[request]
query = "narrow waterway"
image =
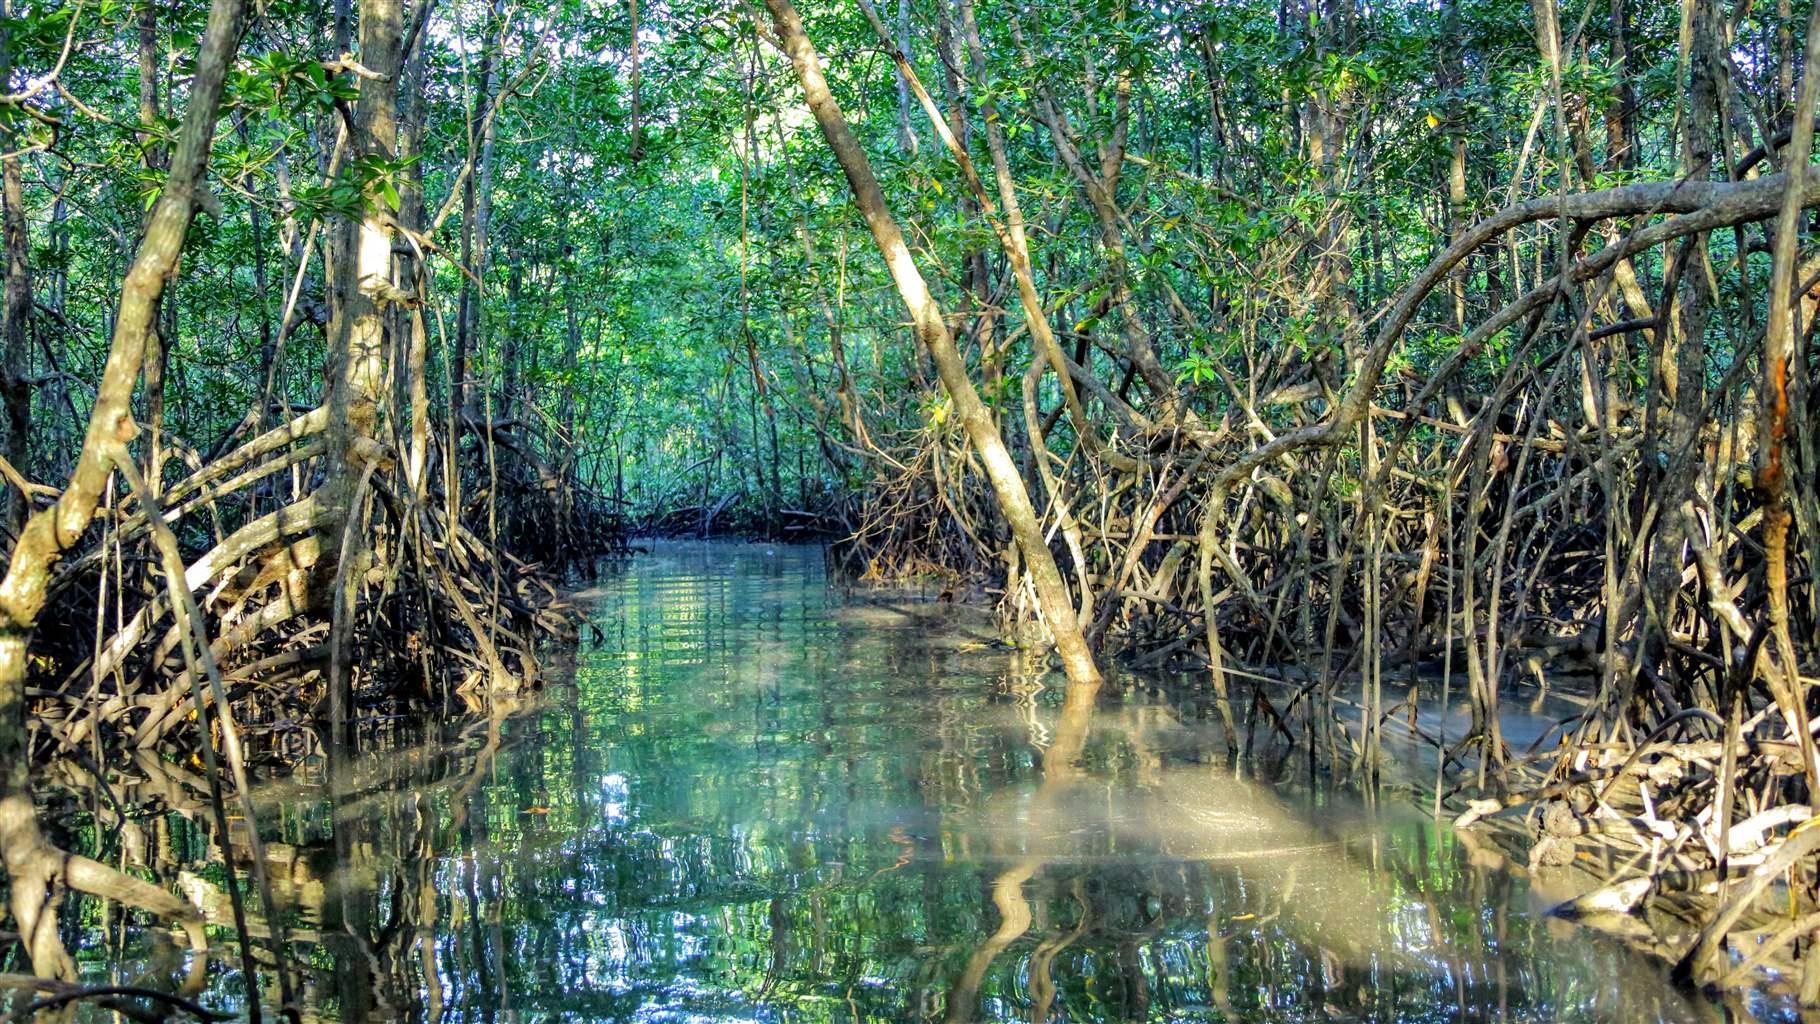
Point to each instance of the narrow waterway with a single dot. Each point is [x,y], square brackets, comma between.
[764,798]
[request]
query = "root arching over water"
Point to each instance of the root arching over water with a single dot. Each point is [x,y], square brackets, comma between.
[1564,528]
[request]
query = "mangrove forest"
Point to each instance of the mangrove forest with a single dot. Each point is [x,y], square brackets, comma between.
[909,510]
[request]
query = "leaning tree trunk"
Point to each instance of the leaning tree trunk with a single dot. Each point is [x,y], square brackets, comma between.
[976,419]
[36,869]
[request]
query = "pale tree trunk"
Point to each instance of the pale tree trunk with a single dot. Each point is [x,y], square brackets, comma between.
[37,869]
[483,200]
[1682,359]
[413,389]
[1010,232]
[356,369]
[355,377]
[1016,245]
[976,280]
[1337,306]
[1101,189]
[976,419]
[1453,80]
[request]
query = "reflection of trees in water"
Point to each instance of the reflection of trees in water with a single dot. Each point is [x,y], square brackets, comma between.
[442,899]
[880,822]
[357,870]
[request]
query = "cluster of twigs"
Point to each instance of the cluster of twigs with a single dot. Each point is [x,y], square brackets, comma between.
[924,514]
[536,505]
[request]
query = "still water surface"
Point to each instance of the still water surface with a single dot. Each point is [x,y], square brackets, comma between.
[765,799]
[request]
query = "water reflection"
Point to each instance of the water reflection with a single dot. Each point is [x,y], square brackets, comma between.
[761,800]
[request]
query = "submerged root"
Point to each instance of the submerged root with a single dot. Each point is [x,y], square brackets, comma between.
[1723,891]
[38,872]
[1459,525]
[436,616]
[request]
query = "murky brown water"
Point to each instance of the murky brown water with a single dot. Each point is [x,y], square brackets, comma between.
[761,799]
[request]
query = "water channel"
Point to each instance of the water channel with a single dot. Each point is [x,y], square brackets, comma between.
[759,796]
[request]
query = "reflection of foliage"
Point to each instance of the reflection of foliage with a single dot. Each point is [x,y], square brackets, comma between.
[755,803]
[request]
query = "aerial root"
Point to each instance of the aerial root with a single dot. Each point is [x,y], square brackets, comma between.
[440,608]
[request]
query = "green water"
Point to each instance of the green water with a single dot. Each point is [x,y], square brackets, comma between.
[764,799]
